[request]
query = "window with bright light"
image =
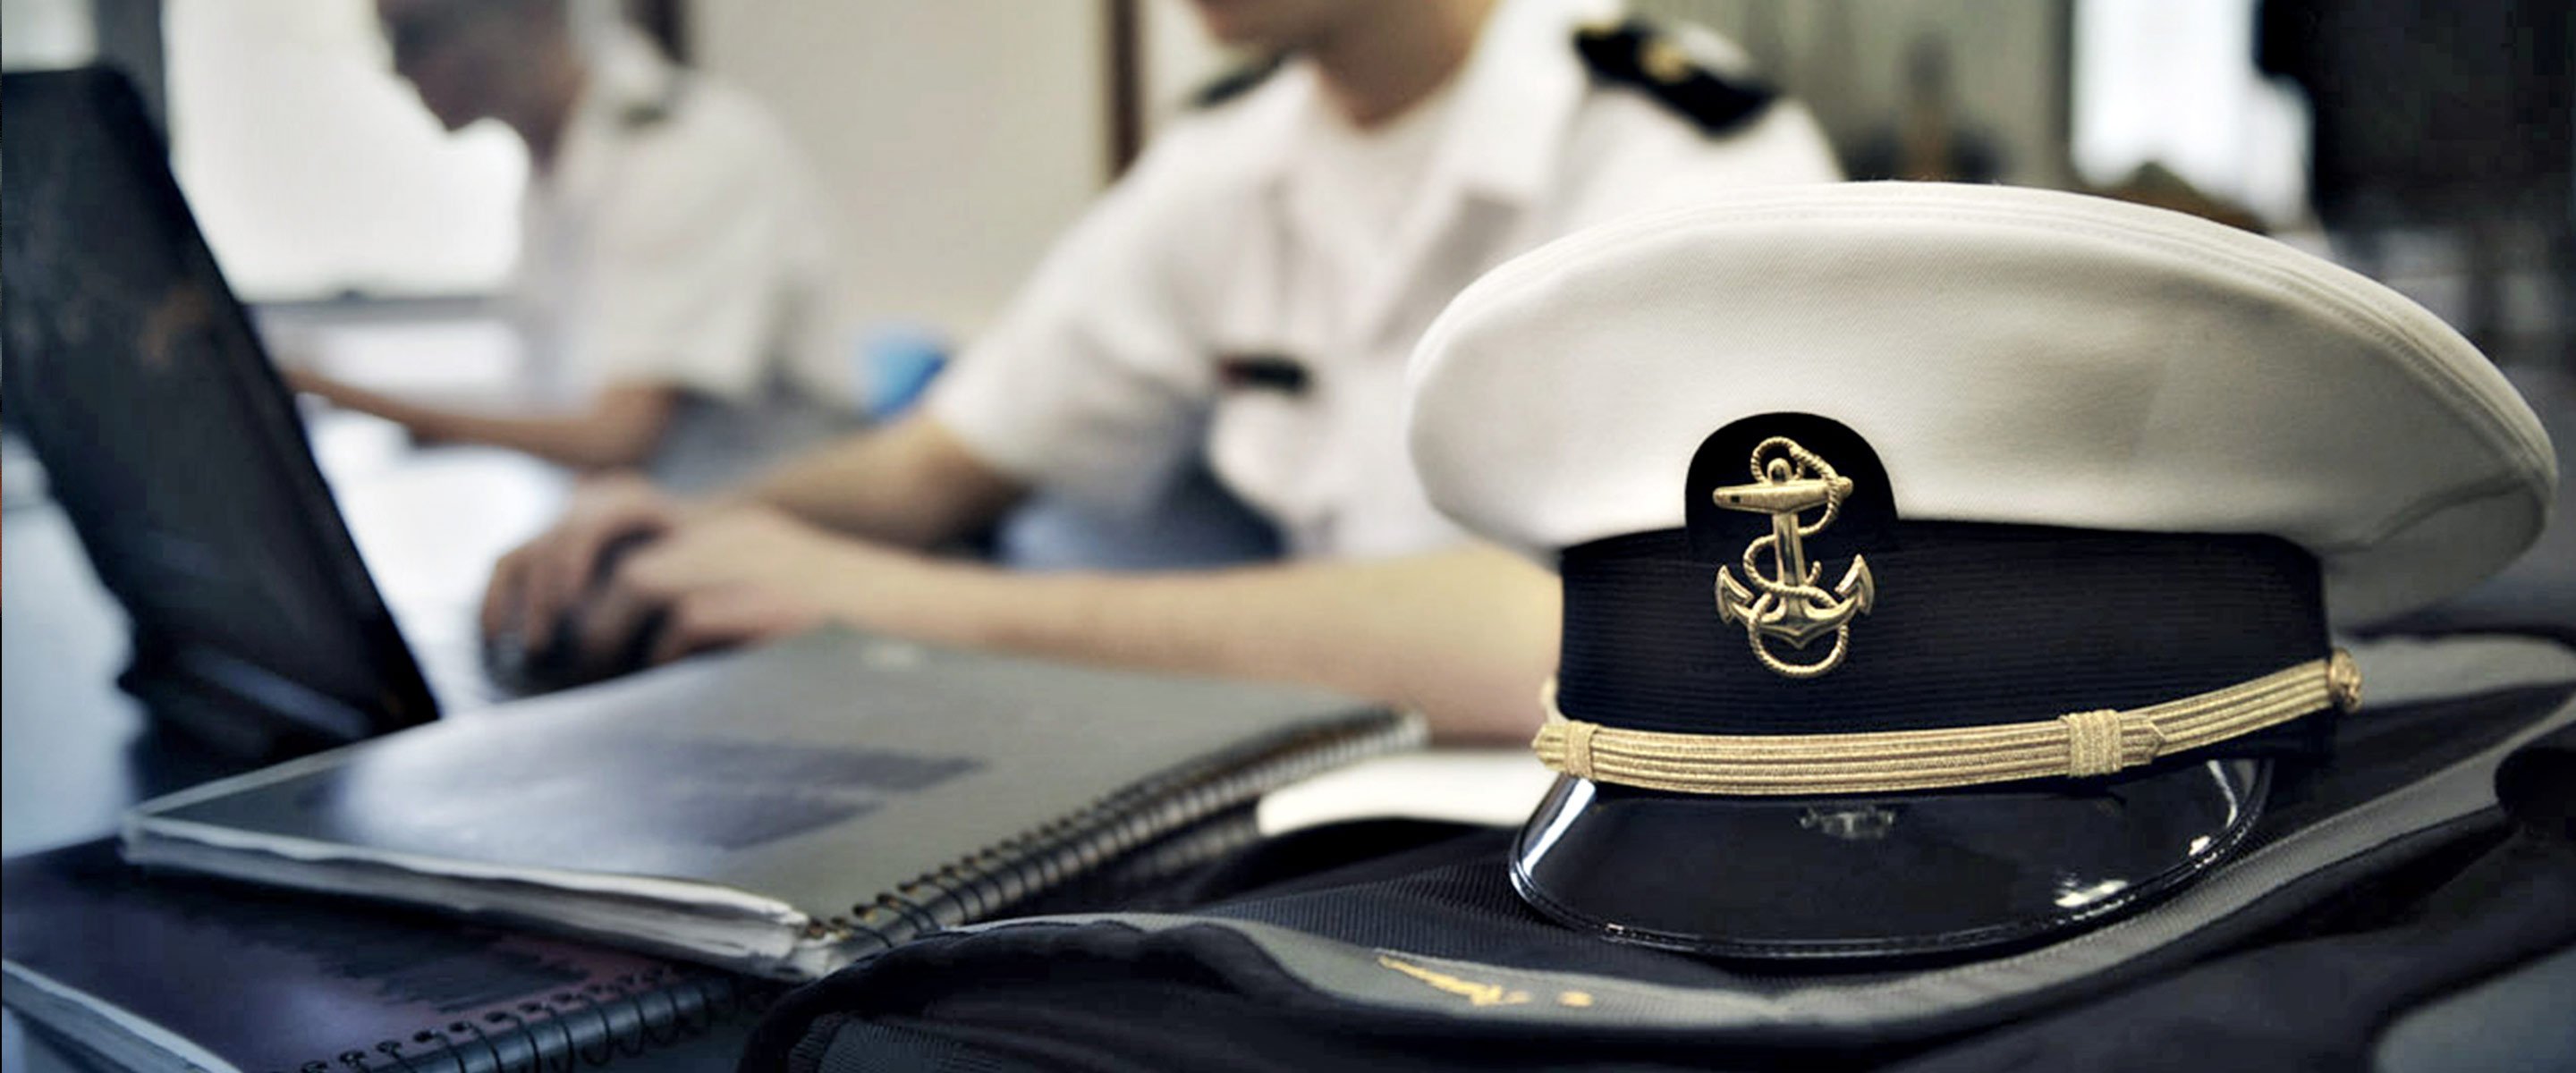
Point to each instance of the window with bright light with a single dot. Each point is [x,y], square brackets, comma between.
[2173,82]
[314,171]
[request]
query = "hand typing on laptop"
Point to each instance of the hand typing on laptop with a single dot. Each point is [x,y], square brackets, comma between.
[538,584]
[632,577]
[622,583]
[735,575]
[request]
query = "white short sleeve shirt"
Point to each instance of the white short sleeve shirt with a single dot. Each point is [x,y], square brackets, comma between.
[1246,292]
[677,240]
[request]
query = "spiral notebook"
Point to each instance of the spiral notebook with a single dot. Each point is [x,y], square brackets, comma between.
[779,811]
[180,973]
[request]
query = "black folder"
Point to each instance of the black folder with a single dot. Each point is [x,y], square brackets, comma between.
[158,972]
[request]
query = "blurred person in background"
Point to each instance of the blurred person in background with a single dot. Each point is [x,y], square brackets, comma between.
[1250,291]
[673,277]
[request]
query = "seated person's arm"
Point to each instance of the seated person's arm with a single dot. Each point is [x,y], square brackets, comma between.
[617,430]
[1464,636]
[909,483]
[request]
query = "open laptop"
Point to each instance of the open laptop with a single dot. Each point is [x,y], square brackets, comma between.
[173,447]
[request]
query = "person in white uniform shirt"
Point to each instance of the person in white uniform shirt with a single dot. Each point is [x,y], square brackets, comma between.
[1250,290]
[672,276]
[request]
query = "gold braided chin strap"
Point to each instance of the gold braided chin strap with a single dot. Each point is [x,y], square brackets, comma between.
[2077,745]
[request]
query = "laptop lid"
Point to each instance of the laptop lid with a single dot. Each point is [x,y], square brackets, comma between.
[170,442]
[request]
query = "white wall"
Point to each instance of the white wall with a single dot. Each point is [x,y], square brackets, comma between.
[2173,82]
[957,138]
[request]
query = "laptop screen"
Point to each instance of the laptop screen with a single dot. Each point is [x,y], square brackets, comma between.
[166,436]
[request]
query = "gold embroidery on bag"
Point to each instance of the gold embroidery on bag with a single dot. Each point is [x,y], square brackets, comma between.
[1790,605]
[1475,993]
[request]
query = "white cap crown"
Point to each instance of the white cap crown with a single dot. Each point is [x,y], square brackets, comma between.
[2013,355]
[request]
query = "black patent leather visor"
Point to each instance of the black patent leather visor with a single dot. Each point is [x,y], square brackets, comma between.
[1876,877]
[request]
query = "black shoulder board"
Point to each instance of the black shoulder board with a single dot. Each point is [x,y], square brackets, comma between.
[1237,82]
[1636,53]
[639,115]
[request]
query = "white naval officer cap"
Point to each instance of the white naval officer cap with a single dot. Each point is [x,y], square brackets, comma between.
[1946,566]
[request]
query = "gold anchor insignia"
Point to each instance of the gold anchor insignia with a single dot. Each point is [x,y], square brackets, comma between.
[1789,479]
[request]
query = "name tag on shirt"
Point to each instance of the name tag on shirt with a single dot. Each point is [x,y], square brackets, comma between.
[1263,372]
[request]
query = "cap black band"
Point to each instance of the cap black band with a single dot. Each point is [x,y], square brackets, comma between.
[1973,624]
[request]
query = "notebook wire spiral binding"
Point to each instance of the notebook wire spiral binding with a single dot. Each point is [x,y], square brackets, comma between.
[585,1027]
[1180,820]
